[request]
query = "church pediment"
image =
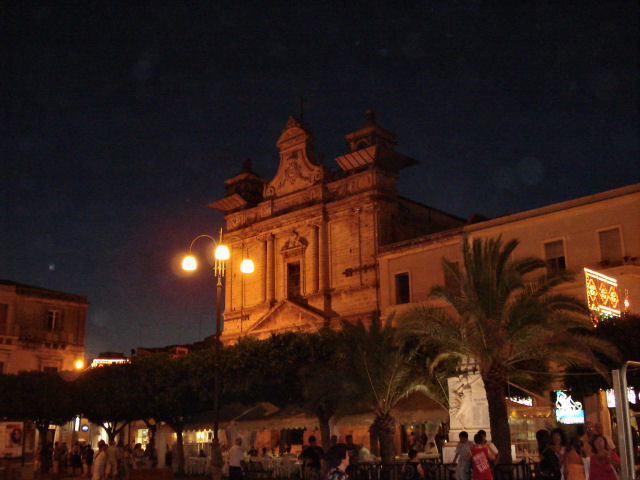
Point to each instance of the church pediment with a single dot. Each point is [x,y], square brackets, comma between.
[287,316]
[297,169]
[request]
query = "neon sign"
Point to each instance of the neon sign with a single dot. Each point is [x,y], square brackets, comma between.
[602,293]
[567,409]
[611,397]
[102,362]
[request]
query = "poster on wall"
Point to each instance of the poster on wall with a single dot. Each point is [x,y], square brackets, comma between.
[468,407]
[11,439]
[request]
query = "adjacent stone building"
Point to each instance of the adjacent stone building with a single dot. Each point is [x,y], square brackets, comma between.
[600,232]
[40,329]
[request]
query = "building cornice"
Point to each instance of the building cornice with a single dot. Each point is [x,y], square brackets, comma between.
[439,237]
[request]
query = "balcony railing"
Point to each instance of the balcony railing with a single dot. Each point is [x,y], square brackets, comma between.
[9,331]
[33,335]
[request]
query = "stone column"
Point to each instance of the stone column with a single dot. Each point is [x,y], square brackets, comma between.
[313,260]
[271,269]
[323,256]
[263,284]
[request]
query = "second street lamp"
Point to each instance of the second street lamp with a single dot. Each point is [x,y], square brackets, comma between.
[221,255]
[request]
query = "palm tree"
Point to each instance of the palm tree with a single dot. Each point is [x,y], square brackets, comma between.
[503,322]
[383,373]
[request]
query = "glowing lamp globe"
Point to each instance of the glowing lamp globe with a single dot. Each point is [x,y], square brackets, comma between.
[246,266]
[222,252]
[79,364]
[189,263]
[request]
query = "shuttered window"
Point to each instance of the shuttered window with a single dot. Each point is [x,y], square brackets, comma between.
[554,256]
[610,246]
[403,291]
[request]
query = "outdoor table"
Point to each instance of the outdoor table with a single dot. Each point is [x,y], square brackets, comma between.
[429,456]
[196,465]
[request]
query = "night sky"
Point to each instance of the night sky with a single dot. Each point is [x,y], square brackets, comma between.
[121,121]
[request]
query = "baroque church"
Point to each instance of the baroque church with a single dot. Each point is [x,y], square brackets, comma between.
[314,233]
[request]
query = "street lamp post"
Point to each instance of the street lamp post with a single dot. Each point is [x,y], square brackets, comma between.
[221,255]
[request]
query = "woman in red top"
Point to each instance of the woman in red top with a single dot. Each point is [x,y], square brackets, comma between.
[603,461]
[479,456]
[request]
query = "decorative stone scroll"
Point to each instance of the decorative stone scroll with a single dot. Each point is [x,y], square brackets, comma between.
[297,169]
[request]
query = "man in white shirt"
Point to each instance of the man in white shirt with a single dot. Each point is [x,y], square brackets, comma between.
[236,456]
[113,457]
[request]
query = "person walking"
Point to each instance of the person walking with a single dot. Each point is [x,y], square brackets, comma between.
[127,461]
[88,459]
[479,455]
[312,457]
[553,456]
[75,458]
[573,462]
[412,470]
[604,462]
[236,457]
[352,457]
[113,455]
[493,450]
[337,461]
[99,463]
[461,456]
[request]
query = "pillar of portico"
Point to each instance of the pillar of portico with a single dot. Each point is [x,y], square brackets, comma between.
[323,256]
[271,280]
[313,260]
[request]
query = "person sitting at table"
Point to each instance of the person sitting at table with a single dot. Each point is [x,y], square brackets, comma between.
[287,453]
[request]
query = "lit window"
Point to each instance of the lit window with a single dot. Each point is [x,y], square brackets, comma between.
[403,292]
[610,247]
[554,256]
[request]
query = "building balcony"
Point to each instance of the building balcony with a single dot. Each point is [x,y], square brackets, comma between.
[61,338]
[9,331]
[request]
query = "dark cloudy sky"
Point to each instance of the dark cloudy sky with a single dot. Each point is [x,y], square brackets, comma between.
[121,120]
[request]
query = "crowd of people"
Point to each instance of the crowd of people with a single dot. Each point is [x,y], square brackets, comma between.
[107,462]
[314,463]
[588,455]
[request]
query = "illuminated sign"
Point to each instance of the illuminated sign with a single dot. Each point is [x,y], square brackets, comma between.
[567,409]
[85,428]
[102,362]
[602,293]
[611,397]
[527,401]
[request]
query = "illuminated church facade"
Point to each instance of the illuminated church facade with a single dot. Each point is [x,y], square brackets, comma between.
[314,233]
